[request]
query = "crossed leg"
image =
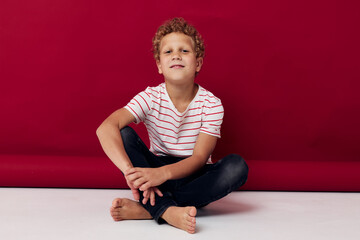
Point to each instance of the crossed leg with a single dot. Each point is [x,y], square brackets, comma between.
[226,175]
[180,217]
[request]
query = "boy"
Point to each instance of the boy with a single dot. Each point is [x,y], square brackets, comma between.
[172,178]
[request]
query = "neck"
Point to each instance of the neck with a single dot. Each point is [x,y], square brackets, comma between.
[181,93]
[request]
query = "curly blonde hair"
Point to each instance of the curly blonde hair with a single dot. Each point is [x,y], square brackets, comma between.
[177,25]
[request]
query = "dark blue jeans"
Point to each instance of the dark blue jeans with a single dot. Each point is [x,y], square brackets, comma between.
[209,184]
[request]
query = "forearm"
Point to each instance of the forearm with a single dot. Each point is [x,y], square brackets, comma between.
[184,168]
[112,144]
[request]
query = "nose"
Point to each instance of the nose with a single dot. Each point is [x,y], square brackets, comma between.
[176,56]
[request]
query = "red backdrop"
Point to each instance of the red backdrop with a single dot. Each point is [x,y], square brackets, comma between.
[287,73]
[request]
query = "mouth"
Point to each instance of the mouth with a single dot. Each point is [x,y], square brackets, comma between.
[177,66]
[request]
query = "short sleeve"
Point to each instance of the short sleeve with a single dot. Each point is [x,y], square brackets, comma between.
[212,118]
[140,106]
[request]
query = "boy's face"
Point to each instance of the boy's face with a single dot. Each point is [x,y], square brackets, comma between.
[178,62]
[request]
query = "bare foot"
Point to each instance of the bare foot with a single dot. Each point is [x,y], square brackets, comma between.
[126,209]
[181,217]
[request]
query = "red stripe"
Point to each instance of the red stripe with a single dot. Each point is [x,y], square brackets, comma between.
[154,90]
[160,120]
[205,107]
[169,129]
[212,120]
[214,106]
[169,109]
[176,149]
[159,140]
[208,96]
[209,101]
[155,139]
[162,134]
[164,114]
[159,98]
[213,113]
[172,149]
[160,148]
[154,136]
[194,108]
[163,120]
[134,112]
[186,111]
[172,111]
[145,102]
[202,130]
[193,115]
[167,115]
[140,106]
[179,143]
[154,96]
[209,128]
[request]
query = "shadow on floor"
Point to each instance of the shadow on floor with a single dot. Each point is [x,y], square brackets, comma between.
[225,206]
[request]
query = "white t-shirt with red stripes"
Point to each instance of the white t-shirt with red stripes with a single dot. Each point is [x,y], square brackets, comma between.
[171,132]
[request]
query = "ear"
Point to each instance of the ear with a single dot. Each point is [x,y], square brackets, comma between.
[199,63]
[158,66]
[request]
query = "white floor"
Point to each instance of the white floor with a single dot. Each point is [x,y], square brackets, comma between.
[35,213]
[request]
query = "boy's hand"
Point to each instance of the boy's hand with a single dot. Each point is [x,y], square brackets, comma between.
[150,194]
[144,178]
[134,190]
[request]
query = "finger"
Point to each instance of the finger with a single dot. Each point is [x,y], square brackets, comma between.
[146,194]
[144,186]
[152,198]
[139,182]
[158,192]
[129,171]
[131,186]
[144,201]
[136,194]
[133,176]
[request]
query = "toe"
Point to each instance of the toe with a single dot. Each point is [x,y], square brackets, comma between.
[192,211]
[116,202]
[190,219]
[191,230]
[191,225]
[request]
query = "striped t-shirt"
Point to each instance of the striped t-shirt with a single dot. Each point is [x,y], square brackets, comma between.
[171,132]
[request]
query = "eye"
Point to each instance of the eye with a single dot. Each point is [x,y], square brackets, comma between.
[168,51]
[184,50]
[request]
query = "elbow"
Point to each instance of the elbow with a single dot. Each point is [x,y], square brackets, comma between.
[99,130]
[104,128]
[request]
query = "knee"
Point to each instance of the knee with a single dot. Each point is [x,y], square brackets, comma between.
[127,132]
[236,168]
[128,136]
